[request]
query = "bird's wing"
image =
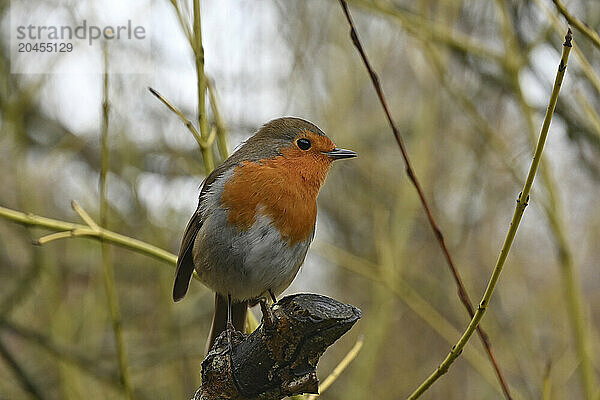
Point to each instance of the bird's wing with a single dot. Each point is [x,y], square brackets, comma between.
[185,262]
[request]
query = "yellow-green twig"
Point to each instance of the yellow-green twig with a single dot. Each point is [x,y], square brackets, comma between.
[84,215]
[351,355]
[576,22]
[186,121]
[553,213]
[413,300]
[512,231]
[205,137]
[547,384]
[107,264]
[589,111]
[462,293]
[198,49]
[57,235]
[184,25]
[79,230]
[221,130]
[584,64]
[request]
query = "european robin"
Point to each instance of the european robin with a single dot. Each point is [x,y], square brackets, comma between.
[256,219]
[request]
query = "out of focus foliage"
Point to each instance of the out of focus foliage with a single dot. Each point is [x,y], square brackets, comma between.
[467,82]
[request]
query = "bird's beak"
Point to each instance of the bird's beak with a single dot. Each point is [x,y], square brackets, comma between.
[338,154]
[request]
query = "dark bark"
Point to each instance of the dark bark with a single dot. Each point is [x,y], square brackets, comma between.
[278,359]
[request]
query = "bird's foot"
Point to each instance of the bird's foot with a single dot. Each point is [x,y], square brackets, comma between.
[230,331]
[273,298]
[267,312]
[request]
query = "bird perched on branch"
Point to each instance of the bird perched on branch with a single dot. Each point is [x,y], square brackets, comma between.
[256,219]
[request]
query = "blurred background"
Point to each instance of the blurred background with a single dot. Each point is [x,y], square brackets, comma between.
[467,83]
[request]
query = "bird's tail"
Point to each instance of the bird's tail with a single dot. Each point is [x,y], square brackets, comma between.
[219,322]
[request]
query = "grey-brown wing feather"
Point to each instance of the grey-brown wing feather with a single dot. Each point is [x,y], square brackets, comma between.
[185,262]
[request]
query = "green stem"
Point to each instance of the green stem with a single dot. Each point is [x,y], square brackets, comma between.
[221,130]
[574,307]
[420,306]
[198,49]
[512,231]
[571,288]
[462,293]
[107,265]
[547,384]
[105,235]
[181,116]
[576,22]
[584,64]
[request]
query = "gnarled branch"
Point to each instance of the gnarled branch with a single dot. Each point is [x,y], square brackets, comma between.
[279,358]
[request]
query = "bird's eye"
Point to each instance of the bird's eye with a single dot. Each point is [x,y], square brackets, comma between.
[303,143]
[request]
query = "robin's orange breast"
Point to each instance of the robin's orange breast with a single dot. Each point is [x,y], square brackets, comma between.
[285,188]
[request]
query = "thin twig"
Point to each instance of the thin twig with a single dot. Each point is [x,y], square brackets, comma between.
[204,138]
[130,243]
[547,383]
[107,265]
[589,111]
[182,116]
[584,64]
[182,23]
[198,49]
[420,306]
[577,23]
[522,202]
[84,215]
[221,129]
[337,371]
[462,293]
[553,213]
[55,236]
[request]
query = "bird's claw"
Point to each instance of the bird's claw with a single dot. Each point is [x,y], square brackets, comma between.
[230,330]
[267,312]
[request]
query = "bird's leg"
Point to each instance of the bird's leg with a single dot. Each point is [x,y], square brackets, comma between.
[273,298]
[268,317]
[230,328]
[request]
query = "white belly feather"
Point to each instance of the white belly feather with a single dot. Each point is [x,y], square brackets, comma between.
[245,264]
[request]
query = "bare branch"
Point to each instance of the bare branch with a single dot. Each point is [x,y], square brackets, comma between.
[462,293]
[522,202]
